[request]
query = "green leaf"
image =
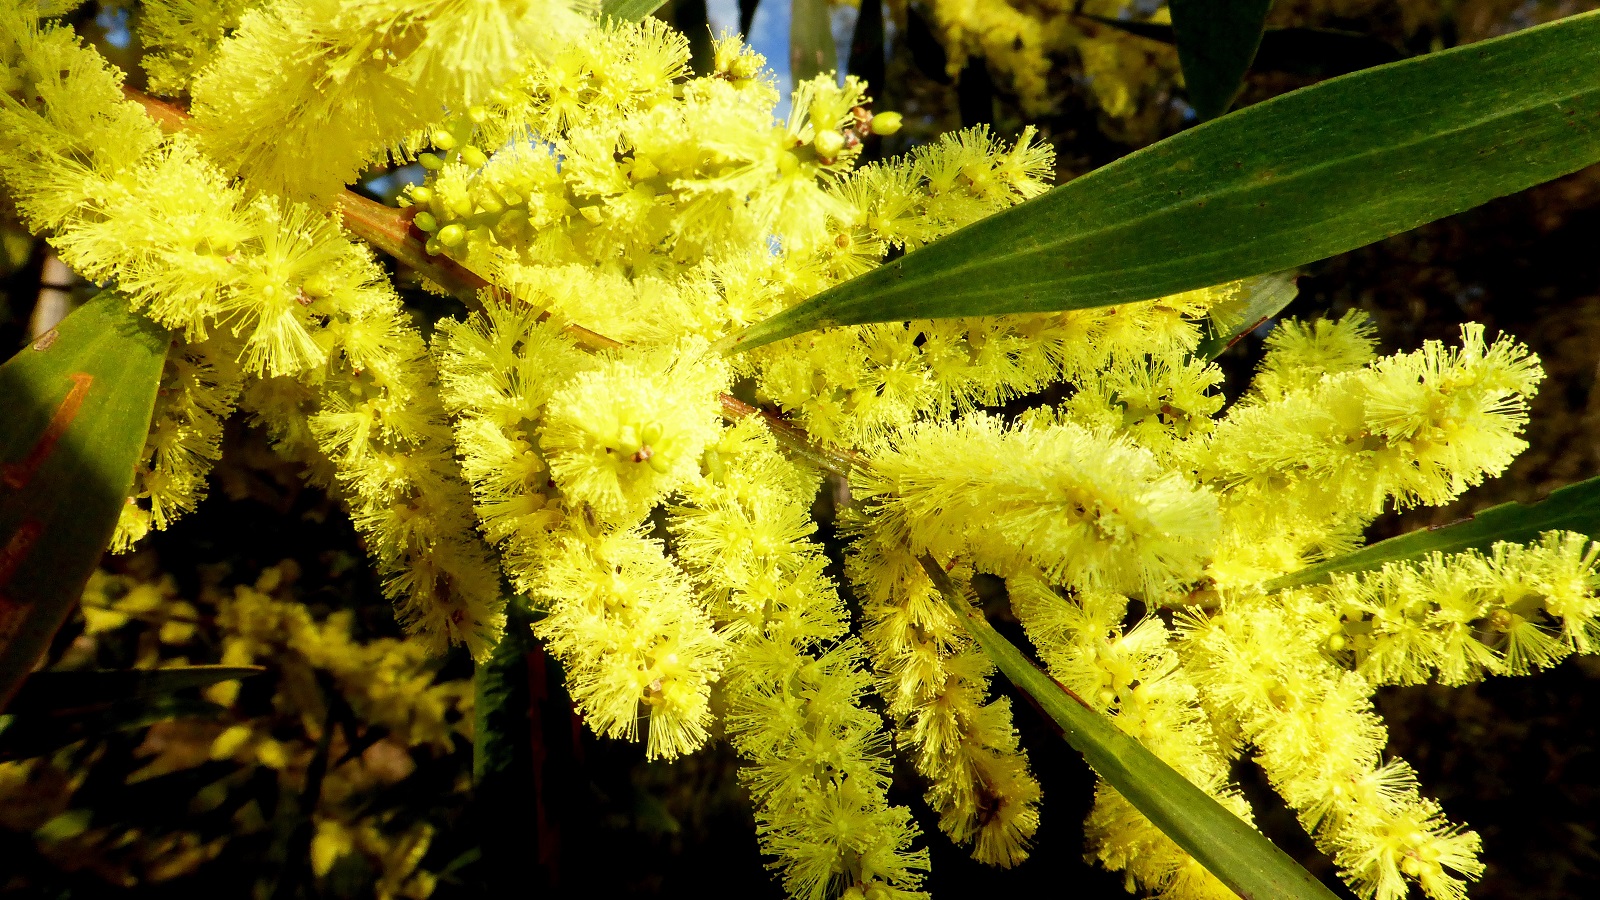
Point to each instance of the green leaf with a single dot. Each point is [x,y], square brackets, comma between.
[1240,857]
[811,47]
[1217,40]
[1314,52]
[507,749]
[27,735]
[500,704]
[76,406]
[867,61]
[47,692]
[1283,183]
[630,10]
[1262,299]
[1575,507]
[1321,52]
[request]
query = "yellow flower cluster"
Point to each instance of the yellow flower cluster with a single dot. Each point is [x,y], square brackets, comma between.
[1134,677]
[795,681]
[304,94]
[1457,618]
[1134,488]
[180,37]
[591,181]
[607,188]
[1321,745]
[257,286]
[936,684]
[199,386]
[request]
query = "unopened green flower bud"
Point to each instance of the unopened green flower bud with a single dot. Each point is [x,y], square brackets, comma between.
[886,123]
[430,162]
[421,195]
[452,235]
[426,222]
[473,157]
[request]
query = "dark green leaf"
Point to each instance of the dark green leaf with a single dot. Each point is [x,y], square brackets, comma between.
[747,14]
[867,61]
[25,735]
[1217,40]
[1575,507]
[1283,183]
[76,406]
[1316,52]
[1237,854]
[811,48]
[1262,299]
[630,10]
[926,52]
[500,705]
[694,21]
[1321,52]
[47,692]
[507,735]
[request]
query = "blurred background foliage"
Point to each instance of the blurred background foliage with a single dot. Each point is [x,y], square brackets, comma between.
[345,770]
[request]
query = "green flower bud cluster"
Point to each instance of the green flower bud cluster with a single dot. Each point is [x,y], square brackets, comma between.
[452,208]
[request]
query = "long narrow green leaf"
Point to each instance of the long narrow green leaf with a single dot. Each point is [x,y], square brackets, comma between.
[630,10]
[1217,40]
[1283,183]
[76,406]
[1575,507]
[500,707]
[23,736]
[1316,52]
[1321,52]
[1241,858]
[1263,298]
[811,47]
[506,754]
[46,692]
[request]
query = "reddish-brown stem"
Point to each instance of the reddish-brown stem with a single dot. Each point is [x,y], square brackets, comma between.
[385,229]
[794,438]
[390,231]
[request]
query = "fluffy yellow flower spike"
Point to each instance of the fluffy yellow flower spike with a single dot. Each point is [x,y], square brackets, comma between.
[936,683]
[180,37]
[817,765]
[626,628]
[621,436]
[198,389]
[1304,463]
[497,372]
[305,93]
[1460,617]
[198,254]
[586,174]
[1321,746]
[1135,678]
[1089,509]
[1420,427]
